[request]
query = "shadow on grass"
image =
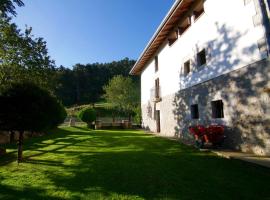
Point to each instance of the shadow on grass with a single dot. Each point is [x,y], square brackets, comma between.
[11,193]
[82,128]
[134,164]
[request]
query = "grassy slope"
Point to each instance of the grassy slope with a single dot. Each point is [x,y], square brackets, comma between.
[75,163]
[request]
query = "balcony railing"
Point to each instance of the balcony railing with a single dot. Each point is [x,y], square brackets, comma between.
[156,94]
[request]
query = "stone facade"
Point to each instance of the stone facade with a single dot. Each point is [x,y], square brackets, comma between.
[245,94]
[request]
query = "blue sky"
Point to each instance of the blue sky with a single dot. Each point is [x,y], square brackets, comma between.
[87,31]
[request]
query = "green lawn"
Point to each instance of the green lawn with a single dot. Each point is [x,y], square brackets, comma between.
[75,163]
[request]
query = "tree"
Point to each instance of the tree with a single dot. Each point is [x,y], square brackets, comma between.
[7,6]
[24,57]
[123,93]
[87,115]
[84,83]
[27,107]
[65,87]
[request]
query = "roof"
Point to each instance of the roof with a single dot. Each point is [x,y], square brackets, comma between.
[178,10]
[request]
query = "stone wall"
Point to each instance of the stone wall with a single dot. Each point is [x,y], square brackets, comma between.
[246,97]
[246,103]
[5,136]
[148,116]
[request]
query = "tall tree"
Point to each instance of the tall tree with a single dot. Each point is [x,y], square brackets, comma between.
[84,83]
[23,57]
[123,93]
[65,87]
[8,6]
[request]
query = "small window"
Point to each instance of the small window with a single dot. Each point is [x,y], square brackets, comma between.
[201,57]
[187,68]
[157,88]
[199,10]
[173,37]
[217,109]
[156,63]
[194,111]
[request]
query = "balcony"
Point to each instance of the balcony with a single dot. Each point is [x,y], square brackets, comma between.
[155,95]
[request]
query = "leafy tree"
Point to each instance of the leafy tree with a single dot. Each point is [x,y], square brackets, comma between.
[24,57]
[123,93]
[84,83]
[87,115]
[138,115]
[8,6]
[65,87]
[27,107]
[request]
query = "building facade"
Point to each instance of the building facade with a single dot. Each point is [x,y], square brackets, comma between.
[207,64]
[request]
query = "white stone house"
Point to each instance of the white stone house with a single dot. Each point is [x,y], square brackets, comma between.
[208,63]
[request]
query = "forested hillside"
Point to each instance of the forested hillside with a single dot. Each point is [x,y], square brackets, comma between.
[83,84]
[25,58]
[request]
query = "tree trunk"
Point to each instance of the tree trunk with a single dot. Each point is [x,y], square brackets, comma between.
[12,137]
[20,149]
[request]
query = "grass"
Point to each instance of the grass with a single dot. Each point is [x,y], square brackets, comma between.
[76,163]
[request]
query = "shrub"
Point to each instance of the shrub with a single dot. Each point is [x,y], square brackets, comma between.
[27,107]
[87,115]
[109,111]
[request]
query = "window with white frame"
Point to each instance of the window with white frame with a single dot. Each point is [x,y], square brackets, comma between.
[156,63]
[187,67]
[201,58]
[217,109]
[194,109]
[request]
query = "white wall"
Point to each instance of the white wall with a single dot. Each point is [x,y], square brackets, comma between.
[226,30]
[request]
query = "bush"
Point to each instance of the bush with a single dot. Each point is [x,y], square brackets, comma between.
[27,107]
[57,113]
[87,115]
[109,111]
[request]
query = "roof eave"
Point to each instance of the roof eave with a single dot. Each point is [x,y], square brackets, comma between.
[134,70]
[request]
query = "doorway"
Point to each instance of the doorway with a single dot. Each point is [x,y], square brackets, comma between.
[158,120]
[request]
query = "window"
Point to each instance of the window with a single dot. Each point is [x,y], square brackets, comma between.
[217,109]
[187,69]
[157,95]
[199,10]
[201,58]
[173,37]
[194,111]
[185,25]
[156,63]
